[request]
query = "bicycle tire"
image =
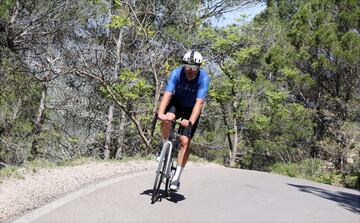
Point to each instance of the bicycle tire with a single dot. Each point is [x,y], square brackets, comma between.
[169,179]
[160,172]
[169,167]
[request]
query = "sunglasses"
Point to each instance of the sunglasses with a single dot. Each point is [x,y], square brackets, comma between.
[191,67]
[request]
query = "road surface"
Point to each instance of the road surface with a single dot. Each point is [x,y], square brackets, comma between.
[206,195]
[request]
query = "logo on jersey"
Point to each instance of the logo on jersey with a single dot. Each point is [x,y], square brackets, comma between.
[187,88]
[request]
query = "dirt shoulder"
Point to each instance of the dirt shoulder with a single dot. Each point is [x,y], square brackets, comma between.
[34,190]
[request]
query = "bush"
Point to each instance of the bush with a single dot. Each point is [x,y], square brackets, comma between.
[311,168]
[290,169]
[352,181]
[38,164]
[329,178]
[9,171]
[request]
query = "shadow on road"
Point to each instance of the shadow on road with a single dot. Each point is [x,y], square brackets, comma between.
[174,197]
[349,201]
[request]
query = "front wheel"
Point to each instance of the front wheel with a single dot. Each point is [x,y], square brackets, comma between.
[169,179]
[160,172]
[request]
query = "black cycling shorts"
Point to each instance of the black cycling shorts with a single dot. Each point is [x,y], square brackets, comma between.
[183,113]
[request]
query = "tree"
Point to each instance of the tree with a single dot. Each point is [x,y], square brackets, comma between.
[322,60]
[25,33]
[145,31]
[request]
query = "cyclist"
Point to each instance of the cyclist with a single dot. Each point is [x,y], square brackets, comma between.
[184,98]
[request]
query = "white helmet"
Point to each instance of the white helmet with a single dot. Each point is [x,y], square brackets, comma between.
[192,57]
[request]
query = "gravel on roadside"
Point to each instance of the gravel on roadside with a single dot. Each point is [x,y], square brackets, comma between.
[18,196]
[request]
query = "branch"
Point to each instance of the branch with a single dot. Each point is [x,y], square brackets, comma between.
[122,106]
[16,13]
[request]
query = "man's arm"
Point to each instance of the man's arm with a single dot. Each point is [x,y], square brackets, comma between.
[195,113]
[164,102]
[200,100]
[170,88]
[196,110]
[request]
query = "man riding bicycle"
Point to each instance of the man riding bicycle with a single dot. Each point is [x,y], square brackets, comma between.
[184,98]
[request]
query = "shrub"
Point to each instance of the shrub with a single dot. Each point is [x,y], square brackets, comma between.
[290,169]
[329,178]
[352,181]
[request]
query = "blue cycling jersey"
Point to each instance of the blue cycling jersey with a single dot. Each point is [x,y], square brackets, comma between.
[186,92]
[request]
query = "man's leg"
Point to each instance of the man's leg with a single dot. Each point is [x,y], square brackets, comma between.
[185,141]
[166,127]
[184,151]
[182,159]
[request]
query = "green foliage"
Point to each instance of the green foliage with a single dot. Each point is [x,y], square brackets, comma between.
[19,97]
[130,88]
[276,98]
[37,164]
[260,122]
[196,159]
[10,172]
[308,169]
[222,91]
[329,178]
[117,22]
[290,169]
[313,169]
[76,161]
[278,127]
[311,61]
[5,8]
[246,55]
[352,181]
[18,172]
[315,27]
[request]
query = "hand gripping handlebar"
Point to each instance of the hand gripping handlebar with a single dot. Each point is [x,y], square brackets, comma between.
[174,122]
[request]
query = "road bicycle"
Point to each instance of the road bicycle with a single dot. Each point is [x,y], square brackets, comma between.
[166,167]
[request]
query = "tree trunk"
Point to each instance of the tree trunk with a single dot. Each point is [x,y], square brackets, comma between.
[38,124]
[108,132]
[235,145]
[120,140]
[107,150]
[17,109]
[119,152]
[226,126]
[235,129]
[157,88]
[41,106]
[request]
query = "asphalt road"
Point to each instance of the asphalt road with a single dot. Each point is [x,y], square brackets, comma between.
[206,195]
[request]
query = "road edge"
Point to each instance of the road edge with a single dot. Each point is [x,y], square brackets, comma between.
[36,213]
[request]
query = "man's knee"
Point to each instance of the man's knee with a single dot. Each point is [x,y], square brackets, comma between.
[184,141]
[166,124]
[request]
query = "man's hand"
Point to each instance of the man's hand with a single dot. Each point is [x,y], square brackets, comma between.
[185,123]
[167,117]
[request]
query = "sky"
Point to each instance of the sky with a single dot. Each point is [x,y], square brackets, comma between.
[250,12]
